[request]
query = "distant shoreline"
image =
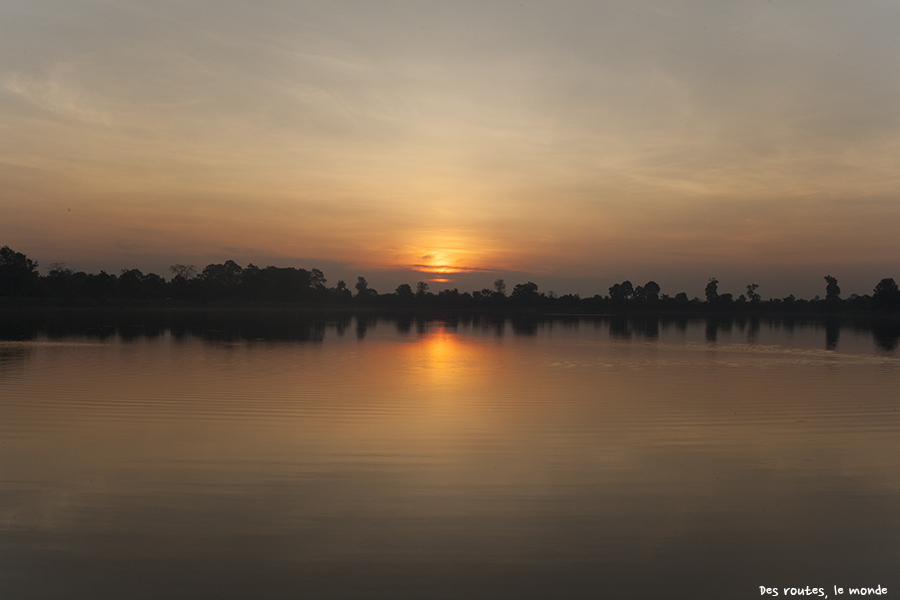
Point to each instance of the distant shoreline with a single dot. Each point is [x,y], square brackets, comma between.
[702,311]
[232,286]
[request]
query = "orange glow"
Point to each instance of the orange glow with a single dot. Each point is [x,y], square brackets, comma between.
[446,251]
[442,357]
[441,348]
[438,261]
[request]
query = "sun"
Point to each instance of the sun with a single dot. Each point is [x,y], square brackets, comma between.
[439,262]
[442,254]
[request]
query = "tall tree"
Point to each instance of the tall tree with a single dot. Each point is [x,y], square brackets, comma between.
[525,292]
[712,290]
[18,273]
[886,296]
[404,292]
[184,271]
[362,287]
[752,296]
[651,291]
[832,290]
[620,292]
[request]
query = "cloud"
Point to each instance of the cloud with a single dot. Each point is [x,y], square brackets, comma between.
[450,269]
[59,92]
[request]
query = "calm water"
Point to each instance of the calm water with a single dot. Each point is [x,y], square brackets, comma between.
[474,459]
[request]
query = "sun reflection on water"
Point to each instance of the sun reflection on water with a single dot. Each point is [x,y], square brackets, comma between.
[446,361]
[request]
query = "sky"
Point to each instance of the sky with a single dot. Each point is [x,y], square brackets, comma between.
[574,144]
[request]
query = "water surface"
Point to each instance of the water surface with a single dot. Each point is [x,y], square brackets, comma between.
[476,458]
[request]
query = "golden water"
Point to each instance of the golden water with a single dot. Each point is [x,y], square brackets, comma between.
[578,459]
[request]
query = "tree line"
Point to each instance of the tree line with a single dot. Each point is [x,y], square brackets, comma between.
[228,282]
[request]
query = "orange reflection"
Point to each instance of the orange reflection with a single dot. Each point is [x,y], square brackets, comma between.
[447,362]
[441,348]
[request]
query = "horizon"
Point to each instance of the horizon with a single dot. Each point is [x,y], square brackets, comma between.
[467,282]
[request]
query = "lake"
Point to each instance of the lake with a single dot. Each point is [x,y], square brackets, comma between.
[476,457]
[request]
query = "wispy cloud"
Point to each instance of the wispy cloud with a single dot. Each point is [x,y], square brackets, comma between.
[451,269]
[58,91]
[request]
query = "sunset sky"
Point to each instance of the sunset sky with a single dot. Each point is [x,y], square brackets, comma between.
[572,143]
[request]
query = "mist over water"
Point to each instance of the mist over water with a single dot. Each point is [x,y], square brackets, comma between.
[475,457]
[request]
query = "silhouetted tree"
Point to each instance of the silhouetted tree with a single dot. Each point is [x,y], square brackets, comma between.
[363,291]
[102,285]
[620,292]
[317,279]
[362,286]
[153,286]
[751,293]
[886,296]
[130,283]
[182,280]
[286,284]
[341,293]
[18,273]
[489,297]
[450,297]
[255,283]
[404,292]
[221,281]
[569,300]
[526,293]
[186,272]
[712,290]
[228,281]
[59,268]
[832,290]
[60,281]
[651,291]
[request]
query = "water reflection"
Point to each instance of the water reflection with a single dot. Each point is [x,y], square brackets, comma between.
[620,328]
[712,330]
[832,333]
[753,330]
[886,332]
[245,325]
[473,457]
[363,323]
[404,324]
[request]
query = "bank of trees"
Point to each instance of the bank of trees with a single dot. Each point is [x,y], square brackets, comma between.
[228,282]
